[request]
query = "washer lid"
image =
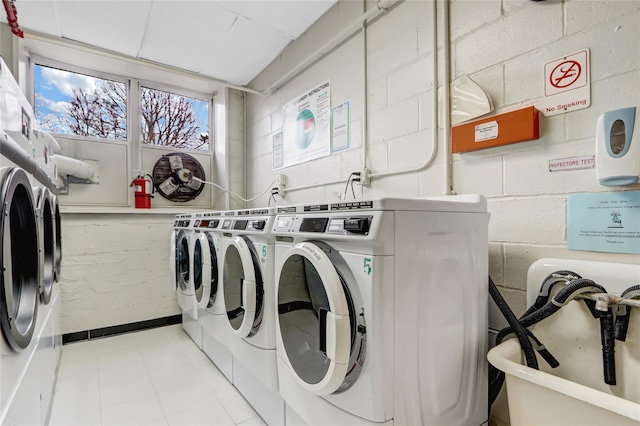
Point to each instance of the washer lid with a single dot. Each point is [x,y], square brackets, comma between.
[313,318]
[19,271]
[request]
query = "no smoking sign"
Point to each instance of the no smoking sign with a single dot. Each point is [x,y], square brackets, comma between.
[567,85]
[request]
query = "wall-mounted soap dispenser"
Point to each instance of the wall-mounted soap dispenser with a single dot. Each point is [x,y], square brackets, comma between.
[617,151]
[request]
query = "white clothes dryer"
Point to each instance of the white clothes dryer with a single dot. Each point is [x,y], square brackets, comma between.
[249,298]
[382,315]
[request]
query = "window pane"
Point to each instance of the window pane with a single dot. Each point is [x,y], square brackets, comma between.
[77,104]
[173,120]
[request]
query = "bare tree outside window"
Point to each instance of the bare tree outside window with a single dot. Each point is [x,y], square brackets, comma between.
[172,120]
[78,104]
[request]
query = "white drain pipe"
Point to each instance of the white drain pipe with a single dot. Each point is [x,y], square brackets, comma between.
[74,167]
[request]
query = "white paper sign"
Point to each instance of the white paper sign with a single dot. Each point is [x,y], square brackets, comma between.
[567,84]
[307,119]
[277,150]
[340,127]
[486,131]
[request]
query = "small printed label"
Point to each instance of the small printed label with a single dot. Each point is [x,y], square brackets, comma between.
[486,131]
[572,163]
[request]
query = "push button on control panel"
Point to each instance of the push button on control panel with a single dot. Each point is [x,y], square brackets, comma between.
[357,225]
[258,224]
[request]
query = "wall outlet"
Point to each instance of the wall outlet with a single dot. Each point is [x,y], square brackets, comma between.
[282,183]
[365,180]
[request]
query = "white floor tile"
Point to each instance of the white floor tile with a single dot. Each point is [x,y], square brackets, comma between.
[126,390]
[133,412]
[236,406]
[256,421]
[154,377]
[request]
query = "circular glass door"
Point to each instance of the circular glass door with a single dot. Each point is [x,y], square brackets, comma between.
[213,291]
[182,260]
[20,260]
[58,240]
[322,332]
[243,287]
[205,271]
[47,243]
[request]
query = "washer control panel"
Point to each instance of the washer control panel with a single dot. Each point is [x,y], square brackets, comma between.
[351,225]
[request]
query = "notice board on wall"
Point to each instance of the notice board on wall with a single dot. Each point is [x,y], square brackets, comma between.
[306,129]
[604,222]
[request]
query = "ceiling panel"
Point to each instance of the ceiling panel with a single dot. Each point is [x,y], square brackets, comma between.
[181,34]
[232,40]
[289,17]
[249,48]
[36,15]
[114,25]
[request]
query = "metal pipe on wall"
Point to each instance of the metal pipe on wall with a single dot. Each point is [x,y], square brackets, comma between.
[74,167]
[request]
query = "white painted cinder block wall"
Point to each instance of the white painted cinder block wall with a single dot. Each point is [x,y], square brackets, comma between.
[502,45]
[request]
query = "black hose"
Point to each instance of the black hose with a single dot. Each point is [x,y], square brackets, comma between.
[547,286]
[550,308]
[623,314]
[608,347]
[496,377]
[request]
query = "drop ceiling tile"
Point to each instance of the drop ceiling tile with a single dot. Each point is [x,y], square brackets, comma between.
[36,15]
[182,34]
[249,48]
[290,17]
[110,24]
[235,6]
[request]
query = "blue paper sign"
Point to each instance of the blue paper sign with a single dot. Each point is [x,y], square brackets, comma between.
[606,222]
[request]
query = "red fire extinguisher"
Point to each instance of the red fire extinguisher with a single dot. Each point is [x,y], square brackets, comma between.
[144,190]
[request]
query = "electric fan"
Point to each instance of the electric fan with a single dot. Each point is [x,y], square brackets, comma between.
[174,175]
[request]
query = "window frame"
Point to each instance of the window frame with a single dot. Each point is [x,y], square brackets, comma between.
[180,91]
[133,140]
[51,63]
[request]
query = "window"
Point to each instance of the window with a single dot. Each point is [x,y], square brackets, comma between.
[168,119]
[78,104]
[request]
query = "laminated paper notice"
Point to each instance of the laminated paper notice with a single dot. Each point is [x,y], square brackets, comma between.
[486,131]
[605,222]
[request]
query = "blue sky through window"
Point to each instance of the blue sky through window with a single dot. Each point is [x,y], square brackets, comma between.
[55,91]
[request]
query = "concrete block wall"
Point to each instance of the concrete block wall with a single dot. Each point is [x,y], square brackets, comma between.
[115,270]
[502,45]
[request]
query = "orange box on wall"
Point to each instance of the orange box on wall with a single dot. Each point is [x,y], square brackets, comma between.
[503,129]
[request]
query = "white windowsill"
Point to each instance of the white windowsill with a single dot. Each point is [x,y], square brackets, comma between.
[129,210]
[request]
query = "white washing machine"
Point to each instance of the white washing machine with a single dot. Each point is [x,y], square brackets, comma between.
[382,311]
[247,259]
[182,242]
[216,334]
[30,345]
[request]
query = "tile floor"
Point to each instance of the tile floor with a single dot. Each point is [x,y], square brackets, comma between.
[152,377]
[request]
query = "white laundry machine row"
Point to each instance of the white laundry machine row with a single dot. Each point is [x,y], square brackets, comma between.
[248,292]
[382,311]
[30,253]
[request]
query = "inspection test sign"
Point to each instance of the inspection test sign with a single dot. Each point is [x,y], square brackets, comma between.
[567,83]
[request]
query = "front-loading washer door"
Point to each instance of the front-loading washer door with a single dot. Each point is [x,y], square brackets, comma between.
[214,272]
[202,271]
[19,271]
[242,287]
[183,271]
[57,259]
[314,318]
[173,260]
[46,238]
